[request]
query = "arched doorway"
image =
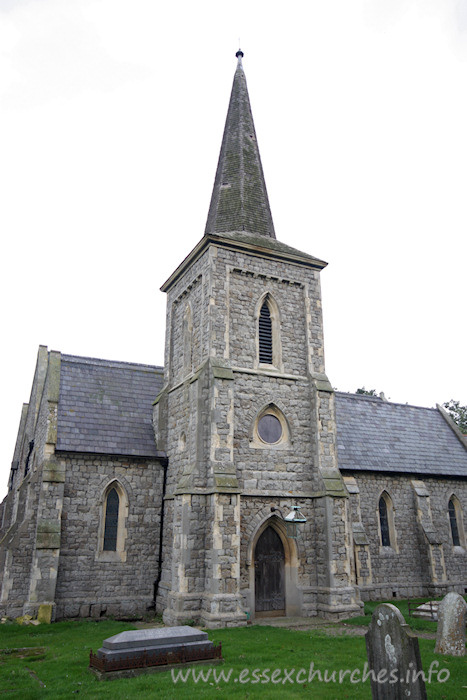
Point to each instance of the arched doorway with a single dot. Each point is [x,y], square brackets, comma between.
[269,574]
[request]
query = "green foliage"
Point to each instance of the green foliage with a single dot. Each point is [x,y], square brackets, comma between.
[458,414]
[60,668]
[366,392]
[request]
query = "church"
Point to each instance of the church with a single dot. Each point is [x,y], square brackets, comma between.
[234,482]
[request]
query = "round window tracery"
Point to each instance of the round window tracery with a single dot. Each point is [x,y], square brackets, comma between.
[270,428]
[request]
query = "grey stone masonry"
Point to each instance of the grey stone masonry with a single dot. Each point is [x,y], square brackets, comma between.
[206,416]
[29,552]
[422,559]
[92,582]
[52,544]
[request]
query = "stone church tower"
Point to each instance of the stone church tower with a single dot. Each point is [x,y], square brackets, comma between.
[247,415]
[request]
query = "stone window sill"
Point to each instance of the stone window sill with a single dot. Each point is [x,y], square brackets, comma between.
[111,556]
[387,551]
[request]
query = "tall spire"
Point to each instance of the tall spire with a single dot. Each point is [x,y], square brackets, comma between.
[239,199]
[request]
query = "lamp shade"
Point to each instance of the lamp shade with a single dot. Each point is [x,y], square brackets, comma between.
[293,521]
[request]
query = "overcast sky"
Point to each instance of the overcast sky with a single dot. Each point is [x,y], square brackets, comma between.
[111,118]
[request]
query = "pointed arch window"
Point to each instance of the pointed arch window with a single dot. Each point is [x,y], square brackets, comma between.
[455,522]
[111,521]
[384,523]
[112,526]
[269,339]
[387,532]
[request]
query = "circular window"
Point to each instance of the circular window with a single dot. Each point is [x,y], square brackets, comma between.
[270,428]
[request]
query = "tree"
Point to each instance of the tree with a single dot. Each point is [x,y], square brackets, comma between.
[458,414]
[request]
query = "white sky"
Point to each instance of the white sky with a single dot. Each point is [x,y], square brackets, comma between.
[111,117]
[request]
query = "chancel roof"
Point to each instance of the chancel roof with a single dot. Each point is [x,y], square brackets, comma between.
[376,435]
[105,407]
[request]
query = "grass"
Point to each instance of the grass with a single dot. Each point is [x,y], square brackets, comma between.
[416,623]
[52,660]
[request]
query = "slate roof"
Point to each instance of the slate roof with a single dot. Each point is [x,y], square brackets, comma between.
[105,407]
[375,435]
[239,199]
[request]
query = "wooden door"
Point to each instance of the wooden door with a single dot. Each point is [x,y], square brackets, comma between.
[269,574]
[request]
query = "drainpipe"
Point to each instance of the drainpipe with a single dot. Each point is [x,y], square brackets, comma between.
[165,464]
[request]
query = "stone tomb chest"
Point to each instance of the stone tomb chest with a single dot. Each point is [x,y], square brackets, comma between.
[139,651]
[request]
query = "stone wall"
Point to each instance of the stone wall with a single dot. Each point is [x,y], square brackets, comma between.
[191,289]
[95,583]
[223,290]
[17,547]
[207,420]
[22,505]
[245,291]
[405,569]
[189,305]
[239,281]
[167,558]
[290,466]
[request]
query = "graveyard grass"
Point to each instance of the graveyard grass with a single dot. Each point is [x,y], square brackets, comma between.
[52,660]
[416,624]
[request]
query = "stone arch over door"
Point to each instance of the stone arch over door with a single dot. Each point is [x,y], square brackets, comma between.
[281,566]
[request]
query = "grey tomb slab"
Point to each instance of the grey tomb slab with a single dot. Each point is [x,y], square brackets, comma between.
[133,643]
[155,637]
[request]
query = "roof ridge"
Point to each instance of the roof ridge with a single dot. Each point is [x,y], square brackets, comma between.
[108,363]
[377,399]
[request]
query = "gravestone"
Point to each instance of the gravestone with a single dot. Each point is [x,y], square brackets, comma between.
[427,611]
[395,665]
[136,651]
[45,613]
[450,635]
[164,640]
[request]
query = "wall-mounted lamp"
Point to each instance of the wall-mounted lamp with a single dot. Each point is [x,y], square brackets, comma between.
[292,521]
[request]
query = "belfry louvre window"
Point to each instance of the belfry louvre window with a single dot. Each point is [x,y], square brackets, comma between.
[111,521]
[265,334]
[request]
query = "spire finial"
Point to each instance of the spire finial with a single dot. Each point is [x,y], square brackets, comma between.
[239,55]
